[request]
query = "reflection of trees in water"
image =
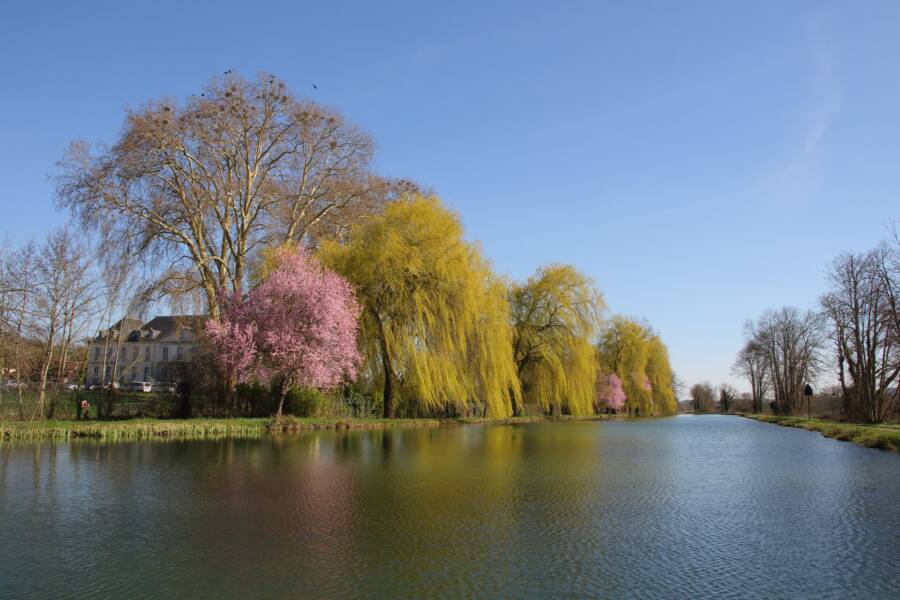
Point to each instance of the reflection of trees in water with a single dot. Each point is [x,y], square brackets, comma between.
[320,507]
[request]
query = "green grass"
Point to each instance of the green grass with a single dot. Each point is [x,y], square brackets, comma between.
[530,419]
[885,437]
[186,429]
[209,429]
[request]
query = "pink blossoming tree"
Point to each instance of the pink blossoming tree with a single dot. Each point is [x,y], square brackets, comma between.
[299,324]
[610,391]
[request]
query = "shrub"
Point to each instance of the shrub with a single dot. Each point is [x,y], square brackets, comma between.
[305,402]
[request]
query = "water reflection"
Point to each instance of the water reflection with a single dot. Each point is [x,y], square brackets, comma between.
[711,506]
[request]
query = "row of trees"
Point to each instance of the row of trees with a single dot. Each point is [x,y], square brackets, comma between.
[854,336]
[705,397]
[261,210]
[439,332]
[48,301]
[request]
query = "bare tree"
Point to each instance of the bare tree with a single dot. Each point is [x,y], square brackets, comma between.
[62,291]
[19,283]
[752,364]
[792,343]
[199,187]
[859,306]
[703,396]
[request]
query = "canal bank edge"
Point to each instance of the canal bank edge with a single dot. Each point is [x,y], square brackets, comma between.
[883,437]
[226,428]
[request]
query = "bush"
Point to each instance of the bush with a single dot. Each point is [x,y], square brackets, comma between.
[305,402]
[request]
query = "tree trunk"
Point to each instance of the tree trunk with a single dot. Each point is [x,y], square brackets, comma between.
[388,385]
[388,396]
[281,397]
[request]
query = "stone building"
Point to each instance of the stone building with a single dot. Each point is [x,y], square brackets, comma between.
[153,352]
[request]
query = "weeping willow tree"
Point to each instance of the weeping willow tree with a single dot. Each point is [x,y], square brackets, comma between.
[623,350]
[660,374]
[556,313]
[435,326]
[637,355]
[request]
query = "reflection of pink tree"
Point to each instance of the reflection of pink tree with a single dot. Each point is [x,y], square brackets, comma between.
[610,391]
[299,324]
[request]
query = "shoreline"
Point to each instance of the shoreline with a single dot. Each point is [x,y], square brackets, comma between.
[881,437]
[134,430]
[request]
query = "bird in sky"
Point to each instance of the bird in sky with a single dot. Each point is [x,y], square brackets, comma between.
[315,87]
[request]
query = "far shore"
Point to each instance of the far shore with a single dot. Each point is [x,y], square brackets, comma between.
[231,428]
[881,436]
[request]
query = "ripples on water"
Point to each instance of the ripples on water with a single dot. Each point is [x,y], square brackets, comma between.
[689,507]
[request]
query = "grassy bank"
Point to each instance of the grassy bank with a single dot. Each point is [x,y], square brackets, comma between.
[885,437]
[205,429]
[186,429]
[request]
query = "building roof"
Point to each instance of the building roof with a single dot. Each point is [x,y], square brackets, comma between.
[159,327]
[125,324]
[166,325]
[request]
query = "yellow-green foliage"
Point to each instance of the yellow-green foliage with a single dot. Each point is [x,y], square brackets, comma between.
[435,316]
[659,372]
[267,259]
[638,356]
[556,313]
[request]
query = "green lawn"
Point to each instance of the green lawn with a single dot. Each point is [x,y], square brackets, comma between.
[883,436]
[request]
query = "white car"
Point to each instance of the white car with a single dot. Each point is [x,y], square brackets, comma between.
[140,386]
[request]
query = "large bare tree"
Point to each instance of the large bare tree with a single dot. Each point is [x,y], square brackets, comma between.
[861,307]
[792,342]
[197,187]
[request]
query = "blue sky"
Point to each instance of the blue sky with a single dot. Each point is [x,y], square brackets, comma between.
[703,161]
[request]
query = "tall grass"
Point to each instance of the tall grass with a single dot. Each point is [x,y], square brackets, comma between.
[187,429]
[884,437]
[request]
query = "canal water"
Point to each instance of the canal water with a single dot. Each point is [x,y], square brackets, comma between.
[686,507]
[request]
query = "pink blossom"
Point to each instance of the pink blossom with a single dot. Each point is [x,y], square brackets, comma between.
[300,323]
[610,391]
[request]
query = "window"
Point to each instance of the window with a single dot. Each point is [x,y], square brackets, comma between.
[107,371]
[179,353]
[147,353]
[133,373]
[165,353]
[96,353]
[146,373]
[134,354]
[96,371]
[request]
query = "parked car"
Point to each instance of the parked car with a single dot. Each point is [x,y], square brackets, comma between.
[140,386]
[161,386]
[111,386]
[73,386]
